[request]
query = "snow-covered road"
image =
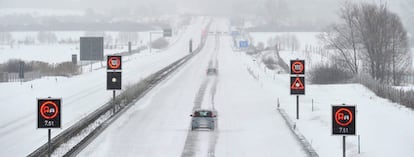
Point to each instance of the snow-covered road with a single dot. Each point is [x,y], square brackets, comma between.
[158,124]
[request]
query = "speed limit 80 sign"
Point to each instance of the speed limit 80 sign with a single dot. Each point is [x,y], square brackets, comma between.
[343,120]
[48,113]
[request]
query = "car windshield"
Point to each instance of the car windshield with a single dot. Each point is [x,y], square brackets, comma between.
[203,114]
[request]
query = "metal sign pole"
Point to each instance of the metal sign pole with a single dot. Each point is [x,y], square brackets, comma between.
[297,106]
[113,100]
[150,42]
[48,143]
[359,144]
[343,146]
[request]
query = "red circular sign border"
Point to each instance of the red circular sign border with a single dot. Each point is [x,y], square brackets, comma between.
[116,66]
[350,120]
[54,105]
[294,70]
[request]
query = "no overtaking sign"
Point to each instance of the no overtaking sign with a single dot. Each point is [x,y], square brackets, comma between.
[343,120]
[49,112]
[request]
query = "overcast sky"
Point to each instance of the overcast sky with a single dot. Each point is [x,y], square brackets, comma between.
[297,7]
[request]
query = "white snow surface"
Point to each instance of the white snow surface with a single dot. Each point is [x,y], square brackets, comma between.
[80,94]
[385,128]
[57,53]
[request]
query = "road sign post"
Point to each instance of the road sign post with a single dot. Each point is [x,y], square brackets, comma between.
[114,76]
[191,45]
[129,47]
[49,116]
[297,80]
[343,122]
[297,106]
[343,146]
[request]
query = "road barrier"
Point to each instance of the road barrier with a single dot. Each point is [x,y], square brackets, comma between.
[302,140]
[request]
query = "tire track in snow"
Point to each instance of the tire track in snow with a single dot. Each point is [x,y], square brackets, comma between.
[194,138]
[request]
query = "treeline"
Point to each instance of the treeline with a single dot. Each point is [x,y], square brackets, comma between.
[45,69]
[48,37]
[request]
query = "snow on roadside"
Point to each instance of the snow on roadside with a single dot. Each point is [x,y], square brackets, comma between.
[80,95]
[384,127]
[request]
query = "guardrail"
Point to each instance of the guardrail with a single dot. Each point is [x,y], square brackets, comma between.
[97,121]
[302,140]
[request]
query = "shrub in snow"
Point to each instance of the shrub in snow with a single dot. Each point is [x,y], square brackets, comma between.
[323,74]
[160,43]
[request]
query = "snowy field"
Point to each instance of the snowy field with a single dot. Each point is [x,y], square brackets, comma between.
[384,127]
[57,53]
[80,94]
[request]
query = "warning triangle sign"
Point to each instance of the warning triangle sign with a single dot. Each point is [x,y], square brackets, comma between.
[297,84]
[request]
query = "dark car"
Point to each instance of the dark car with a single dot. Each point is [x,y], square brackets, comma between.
[203,119]
[212,71]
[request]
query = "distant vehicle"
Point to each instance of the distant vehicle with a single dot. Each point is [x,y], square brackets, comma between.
[212,71]
[251,51]
[203,119]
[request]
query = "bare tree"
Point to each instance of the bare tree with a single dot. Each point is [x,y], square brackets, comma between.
[5,38]
[374,35]
[343,38]
[385,41]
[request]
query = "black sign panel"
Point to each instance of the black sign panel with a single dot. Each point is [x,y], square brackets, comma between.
[297,85]
[297,67]
[113,81]
[75,59]
[343,120]
[167,32]
[114,63]
[91,48]
[49,113]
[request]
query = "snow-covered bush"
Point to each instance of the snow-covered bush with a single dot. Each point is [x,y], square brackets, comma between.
[160,43]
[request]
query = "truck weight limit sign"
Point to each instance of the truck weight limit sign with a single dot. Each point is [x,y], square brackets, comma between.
[343,120]
[297,67]
[114,63]
[49,112]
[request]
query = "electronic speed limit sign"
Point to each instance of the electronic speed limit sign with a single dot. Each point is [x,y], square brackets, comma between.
[48,113]
[343,120]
